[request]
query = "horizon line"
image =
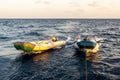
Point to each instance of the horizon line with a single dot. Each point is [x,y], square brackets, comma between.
[59,18]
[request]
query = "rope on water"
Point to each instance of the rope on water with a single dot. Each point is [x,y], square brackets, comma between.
[86,69]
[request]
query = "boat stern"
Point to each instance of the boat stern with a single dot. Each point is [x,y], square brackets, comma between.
[24,46]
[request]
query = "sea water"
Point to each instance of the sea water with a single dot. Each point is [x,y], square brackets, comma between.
[64,63]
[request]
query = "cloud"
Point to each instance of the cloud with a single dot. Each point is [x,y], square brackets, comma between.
[93,4]
[46,2]
[37,2]
[42,2]
[74,4]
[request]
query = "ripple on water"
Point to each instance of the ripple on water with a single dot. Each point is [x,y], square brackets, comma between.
[65,63]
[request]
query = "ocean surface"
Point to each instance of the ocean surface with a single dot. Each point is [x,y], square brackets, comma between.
[64,63]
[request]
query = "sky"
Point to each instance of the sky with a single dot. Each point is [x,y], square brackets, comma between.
[59,8]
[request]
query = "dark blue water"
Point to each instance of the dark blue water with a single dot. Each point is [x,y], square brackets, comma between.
[60,64]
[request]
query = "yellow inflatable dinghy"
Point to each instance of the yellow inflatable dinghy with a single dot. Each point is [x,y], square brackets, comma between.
[38,46]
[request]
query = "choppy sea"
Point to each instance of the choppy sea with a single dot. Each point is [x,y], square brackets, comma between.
[64,63]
